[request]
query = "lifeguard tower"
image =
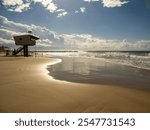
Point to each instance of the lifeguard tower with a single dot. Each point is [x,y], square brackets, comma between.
[24,41]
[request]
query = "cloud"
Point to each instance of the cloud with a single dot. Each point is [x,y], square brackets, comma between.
[82,9]
[9,28]
[89,42]
[16,5]
[53,40]
[12,2]
[76,11]
[22,5]
[2,41]
[91,0]
[113,3]
[53,7]
[109,3]
[48,4]
[20,8]
[62,14]
[45,43]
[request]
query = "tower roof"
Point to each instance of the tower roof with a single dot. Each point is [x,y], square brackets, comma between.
[32,36]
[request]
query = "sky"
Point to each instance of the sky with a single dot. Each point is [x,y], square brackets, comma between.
[78,24]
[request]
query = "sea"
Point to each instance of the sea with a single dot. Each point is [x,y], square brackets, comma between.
[119,68]
[139,59]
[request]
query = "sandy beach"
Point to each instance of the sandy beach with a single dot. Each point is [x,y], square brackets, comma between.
[25,86]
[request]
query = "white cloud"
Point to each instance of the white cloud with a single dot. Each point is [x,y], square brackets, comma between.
[52,40]
[62,14]
[82,9]
[22,5]
[88,42]
[12,2]
[7,34]
[45,43]
[16,5]
[114,3]
[9,28]
[61,10]
[48,4]
[90,0]
[76,11]
[2,41]
[110,3]
[53,7]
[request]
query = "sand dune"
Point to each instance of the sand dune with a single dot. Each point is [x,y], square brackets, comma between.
[25,86]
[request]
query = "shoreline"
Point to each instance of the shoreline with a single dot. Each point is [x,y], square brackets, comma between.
[87,70]
[100,58]
[25,86]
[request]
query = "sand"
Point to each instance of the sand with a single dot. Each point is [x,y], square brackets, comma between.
[25,86]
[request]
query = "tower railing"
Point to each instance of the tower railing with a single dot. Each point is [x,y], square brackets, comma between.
[23,48]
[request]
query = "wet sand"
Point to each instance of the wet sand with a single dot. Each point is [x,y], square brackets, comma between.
[25,86]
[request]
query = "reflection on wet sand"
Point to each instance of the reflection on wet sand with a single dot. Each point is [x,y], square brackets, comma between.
[94,71]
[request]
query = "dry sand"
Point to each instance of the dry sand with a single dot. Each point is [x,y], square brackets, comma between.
[25,86]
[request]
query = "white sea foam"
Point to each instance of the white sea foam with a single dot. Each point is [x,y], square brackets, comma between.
[139,60]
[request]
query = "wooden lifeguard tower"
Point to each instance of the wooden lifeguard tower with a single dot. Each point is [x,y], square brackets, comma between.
[24,41]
